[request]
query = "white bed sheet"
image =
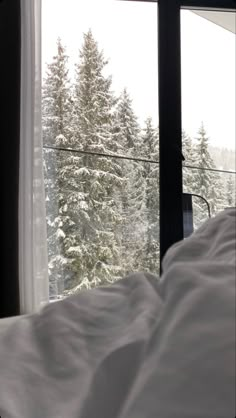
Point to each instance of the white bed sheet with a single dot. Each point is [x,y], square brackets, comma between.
[141,348]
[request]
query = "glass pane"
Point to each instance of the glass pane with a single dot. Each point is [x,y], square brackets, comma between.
[208,109]
[103,219]
[127,57]
[99,118]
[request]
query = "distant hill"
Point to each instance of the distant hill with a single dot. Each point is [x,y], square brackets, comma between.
[224,158]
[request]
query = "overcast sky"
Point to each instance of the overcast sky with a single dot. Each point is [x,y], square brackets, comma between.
[127,32]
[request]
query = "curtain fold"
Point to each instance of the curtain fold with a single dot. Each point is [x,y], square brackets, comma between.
[33,262]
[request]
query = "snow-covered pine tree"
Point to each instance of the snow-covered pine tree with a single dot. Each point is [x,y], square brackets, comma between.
[132,196]
[56,125]
[57,103]
[230,191]
[217,195]
[93,181]
[127,129]
[189,174]
[206,183]
[151,152]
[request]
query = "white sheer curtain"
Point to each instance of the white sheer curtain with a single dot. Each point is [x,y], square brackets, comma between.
[33,263]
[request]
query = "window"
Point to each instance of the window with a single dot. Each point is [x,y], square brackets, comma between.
[208,109]
[101,141]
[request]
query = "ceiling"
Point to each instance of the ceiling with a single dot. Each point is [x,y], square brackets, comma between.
[226,20]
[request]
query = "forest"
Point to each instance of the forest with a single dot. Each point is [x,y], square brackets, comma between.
[102,176]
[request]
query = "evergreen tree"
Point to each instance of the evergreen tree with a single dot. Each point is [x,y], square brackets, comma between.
[206,183]
[127,129]
[189,174]
[217,195]
[57,103]
[56,122]
[151,150]
[187,148]
[132,196]
[93,181]
[94,100]
[230,191]
[203,159]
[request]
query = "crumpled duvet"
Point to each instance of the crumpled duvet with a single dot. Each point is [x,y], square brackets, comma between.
[145,347]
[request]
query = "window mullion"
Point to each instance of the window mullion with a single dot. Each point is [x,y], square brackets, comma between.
[171,216]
